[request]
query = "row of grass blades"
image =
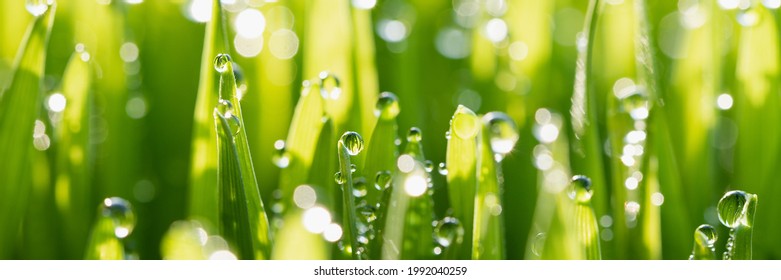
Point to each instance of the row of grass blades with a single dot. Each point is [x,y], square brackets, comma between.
[564,224]
[736,211]
[19,107]
[628,79]
[476,147]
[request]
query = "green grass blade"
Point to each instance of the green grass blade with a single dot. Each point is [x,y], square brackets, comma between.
[349,145]
[19,106]
[549,237]
[234,213]
[587,145]
[103,245]
[488,238]
[203,202]
[408,218]
[365,78]
[757,102]
[736,211]
[330,49]
[704,241]
[305,126]
[114,222]
[585,222]
[295,240]
[235,139]
[73,192]
[381,157]
[461,162]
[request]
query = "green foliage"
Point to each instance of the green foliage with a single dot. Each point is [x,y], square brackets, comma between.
[247,131]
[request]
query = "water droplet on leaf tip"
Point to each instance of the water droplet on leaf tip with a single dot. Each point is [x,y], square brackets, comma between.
[414,135]
[120,211]
[387,107]
[353,142]
[221,62]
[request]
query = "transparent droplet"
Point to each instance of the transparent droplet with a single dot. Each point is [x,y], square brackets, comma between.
[120,211]
[225,109]
[580,188]
[414,135]
[359,187]
[368,212]
[538,244]
[382,180]
[504,134]
[705,235]
[221,62]
[330,87]
[37,7]
[281,157]
[442,169]
[387,107]
[428,166]
[353,142]
[464,123]
[448,231]
[734,209]
[636,104]
[339,178]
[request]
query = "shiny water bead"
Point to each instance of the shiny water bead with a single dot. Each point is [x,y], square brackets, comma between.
[387,107]
[464,123]
[359,187]
[733,208]
[503,132]
[636,104]
[414,135]
[382,180]
[221,62]
[580,188]
[120,211]
[353,142]
[38,7]
[448,231]
[330,86]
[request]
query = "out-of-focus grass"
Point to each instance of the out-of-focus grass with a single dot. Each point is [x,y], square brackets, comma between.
[664,105]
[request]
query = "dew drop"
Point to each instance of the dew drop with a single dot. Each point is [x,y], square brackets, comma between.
[368,212]
[705,235]
[382,180]
[359,187]
[580,188]
[221,62]
[37,7]
[414,135]
[428,166]
[538,244]
[353,142]
[442,169]
[733,209]
[120,211]
[330,87]
[339,178]
[281,157]
[504,134]
[464,123]
[448,231]
[636,104]
[387,107]
[225,109]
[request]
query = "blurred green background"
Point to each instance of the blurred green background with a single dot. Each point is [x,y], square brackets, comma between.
[711,69]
